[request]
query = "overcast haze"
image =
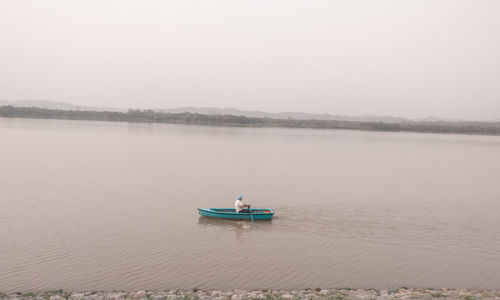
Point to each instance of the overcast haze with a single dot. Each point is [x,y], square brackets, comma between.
[401,58]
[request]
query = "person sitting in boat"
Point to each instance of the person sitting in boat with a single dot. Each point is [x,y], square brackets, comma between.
[240,207]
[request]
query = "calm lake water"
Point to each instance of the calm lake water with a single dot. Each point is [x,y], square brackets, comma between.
[103,206]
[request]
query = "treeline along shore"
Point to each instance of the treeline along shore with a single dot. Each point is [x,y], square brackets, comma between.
[151,116]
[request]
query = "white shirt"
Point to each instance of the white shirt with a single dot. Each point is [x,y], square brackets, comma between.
[238,205]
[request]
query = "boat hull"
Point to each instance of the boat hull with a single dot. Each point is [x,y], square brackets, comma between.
[230,213]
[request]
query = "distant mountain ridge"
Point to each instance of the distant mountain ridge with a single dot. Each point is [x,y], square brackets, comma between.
[282,115]
[227,111]
[55,105]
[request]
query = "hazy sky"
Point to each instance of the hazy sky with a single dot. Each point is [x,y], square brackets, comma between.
[403,58]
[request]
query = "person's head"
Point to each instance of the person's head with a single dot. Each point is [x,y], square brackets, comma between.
[240,198]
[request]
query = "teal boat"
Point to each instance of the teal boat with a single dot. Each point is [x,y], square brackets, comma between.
[230,213]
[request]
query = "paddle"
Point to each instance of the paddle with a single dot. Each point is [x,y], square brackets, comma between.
[251,214]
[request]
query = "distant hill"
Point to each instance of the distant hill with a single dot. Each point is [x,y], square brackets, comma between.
[151,116]
[282,115]
[212,111]
[55,105]
[229,111]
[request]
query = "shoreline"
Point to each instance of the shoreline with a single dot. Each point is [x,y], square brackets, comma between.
[150,116]
[401,293]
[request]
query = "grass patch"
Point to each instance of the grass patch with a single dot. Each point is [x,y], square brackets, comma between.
[270,297]
[337,297]
[28,295]
[438,295]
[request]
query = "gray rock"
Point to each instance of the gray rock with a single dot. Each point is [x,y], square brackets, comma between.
[237,297]
[140,295]
[214,293]
[115,296]
[76,296]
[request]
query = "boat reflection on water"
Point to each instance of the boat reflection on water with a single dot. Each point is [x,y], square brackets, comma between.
[238,226]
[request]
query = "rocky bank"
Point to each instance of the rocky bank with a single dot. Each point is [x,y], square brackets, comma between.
[401,293]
